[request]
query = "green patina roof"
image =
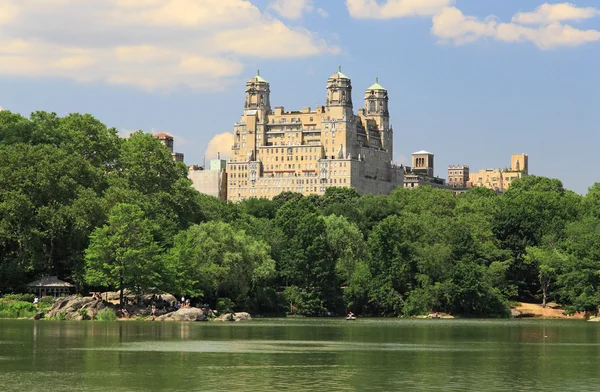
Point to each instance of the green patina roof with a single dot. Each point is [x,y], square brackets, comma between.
[376,86]
[340,74]
[259,78]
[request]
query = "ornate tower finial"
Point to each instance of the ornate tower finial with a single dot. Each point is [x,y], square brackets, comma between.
[258,72]
[376,79]
[339,68]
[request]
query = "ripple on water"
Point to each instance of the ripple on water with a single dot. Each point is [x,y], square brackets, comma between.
[276,347]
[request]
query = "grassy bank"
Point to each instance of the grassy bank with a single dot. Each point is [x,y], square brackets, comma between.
[20,306]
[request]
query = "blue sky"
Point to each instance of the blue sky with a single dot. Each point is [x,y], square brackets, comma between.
[472,81]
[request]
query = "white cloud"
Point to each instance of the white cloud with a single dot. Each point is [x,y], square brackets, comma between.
[291,9]
[552,13]
[543,26]
[371,9]
[145,43]
[322,13]
[125,133]
[452,26]
[220,144]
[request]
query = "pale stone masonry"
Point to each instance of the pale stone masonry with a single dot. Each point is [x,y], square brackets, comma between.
[307,151]
[501,179]
[458,176]
[422,172]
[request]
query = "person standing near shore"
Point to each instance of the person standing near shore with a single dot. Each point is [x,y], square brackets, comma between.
[36,301]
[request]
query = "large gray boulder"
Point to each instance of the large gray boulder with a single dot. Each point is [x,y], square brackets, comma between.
[184,314]
[240,316]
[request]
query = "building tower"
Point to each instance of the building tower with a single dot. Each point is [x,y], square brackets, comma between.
[167,140]
[250,131]
[520,163]
[376,108]
[339,96]
[422,163]
[258,94]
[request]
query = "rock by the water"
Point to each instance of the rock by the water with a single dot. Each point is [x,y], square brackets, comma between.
[515,313]
[240,316]
[594,319]
[184,314]
[38,316]
[72,307]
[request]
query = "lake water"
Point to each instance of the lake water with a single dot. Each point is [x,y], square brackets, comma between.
[301,354]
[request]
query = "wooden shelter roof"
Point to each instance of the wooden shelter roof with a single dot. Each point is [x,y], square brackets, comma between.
[50,281]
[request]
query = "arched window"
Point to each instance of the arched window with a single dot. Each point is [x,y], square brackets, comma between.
[371,106]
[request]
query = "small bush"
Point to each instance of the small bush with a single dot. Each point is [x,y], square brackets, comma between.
[47,300]
[62,316]
[83,313]
[16,309]
[225,305]
[106,314]
[20,297]
[46,303]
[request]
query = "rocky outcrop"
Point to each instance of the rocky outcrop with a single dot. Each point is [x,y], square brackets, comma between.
[240,316]
[71,308]
[184,314]
[515,313]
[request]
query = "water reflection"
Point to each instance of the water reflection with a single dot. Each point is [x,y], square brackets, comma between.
[275,355]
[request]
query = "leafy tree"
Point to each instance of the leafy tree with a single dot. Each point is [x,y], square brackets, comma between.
[346,243]
[392,264]
[123,254]
[532,208]
[213,260]
[547,261]
[579,278]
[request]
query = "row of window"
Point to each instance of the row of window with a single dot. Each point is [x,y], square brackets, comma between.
[276,185]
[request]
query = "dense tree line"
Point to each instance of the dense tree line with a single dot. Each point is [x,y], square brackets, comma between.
[78,201]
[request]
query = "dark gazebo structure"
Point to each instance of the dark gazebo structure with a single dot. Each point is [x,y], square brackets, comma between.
[51,285]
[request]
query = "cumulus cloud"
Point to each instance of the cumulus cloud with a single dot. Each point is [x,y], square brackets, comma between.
[371,9]
[322,13]
[220,144]
[291,9]
[145,43]
[543,27]
[552,13]
[451,25]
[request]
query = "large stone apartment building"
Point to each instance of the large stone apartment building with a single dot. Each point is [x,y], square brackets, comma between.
[309,150]
[501,179]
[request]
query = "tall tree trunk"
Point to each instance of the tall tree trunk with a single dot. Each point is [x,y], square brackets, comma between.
[121,283]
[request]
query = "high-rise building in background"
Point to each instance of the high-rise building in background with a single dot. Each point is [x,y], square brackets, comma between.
[167,140]
[212,180]
[307,151]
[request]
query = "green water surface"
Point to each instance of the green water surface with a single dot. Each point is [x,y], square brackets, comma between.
[301,354]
